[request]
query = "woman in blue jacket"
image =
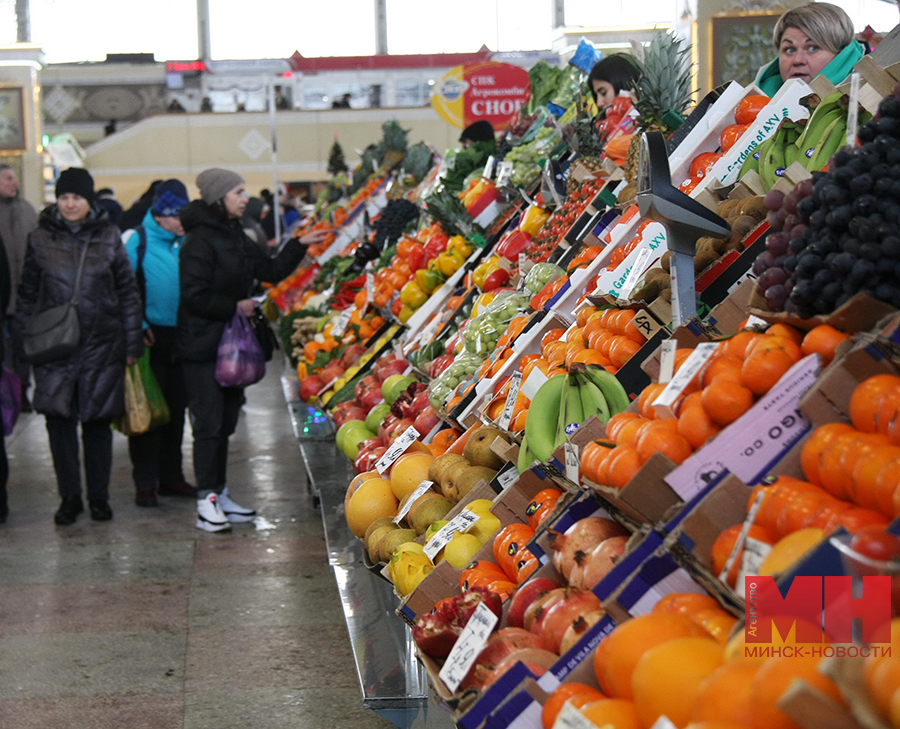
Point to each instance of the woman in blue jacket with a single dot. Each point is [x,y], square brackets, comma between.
[153,250]
[813,39]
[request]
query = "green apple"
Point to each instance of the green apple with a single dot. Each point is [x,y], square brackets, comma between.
[350,435]
[393,386]
[376,415]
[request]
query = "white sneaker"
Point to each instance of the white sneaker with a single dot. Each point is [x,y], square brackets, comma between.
[210,517]
[235,512]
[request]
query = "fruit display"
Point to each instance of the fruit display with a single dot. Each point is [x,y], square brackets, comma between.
[485,366]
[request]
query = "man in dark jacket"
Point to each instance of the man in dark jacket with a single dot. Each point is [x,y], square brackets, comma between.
[218,265]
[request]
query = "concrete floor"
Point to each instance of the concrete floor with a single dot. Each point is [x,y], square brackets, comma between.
[145,621]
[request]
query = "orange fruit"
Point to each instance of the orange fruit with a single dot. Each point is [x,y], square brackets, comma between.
[725,401]
[666,680]
[831,474]
[775,343]
[822,340]
[815,444]
[866,399]
[887,411]
[616,422]
[789,550]
[725,695]
[560,696]
[646,398]
[727,364]
[685,603]
[666,441]
[623,350]
[695,426]
[592,457]
[787,331]
[619,653]
[622,465]
[717,622]
[724,545]
[772,680]
[882,684]
[764,367]
[738,344]
[864,486]
[619,713]
[553,335]
[801,510]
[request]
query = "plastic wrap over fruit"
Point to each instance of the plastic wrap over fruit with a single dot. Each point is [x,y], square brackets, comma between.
[483,332]
[440,388]
[540,275]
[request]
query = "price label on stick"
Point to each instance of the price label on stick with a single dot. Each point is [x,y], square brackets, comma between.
[370,289]
[505,478]
[742,536]
[396,449]
[573,465]
[515,382]
[417,494]
[504,172]
[459,523]
[489,167]
[667,361]
[853,110]
[635,273]
[340,326]
[468,646]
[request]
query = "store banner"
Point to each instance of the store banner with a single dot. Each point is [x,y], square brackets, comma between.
[490,90]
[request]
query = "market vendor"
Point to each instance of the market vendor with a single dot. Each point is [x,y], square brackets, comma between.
[609,77]
[480,131]
[812,39]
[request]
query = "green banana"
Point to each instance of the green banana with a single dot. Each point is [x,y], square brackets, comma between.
[613,392]
[774,159]
[763,168]
[540,424]
[526,457]
[592,400]
[574,411]
[834,138]
[791,150]
[751,163]
[816,131]
[561,417]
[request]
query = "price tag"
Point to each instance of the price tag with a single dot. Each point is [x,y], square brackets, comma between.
[468,646]
[667,361]
[489,167]
[754,322]
[370,289]
[417,494]
[853,112]
[533,383]
[506,477]
[572,463]
[504,172]
[515,383]
[742,536]
[398,350]
[635,273]
[646,324]
[692,365]
[570,718]
[459,523]
[755,552]
[340,326]
[397,449]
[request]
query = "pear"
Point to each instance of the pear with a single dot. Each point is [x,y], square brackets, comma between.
[440,465]
[467,479]
[390,541]
[430,511]
[375,532]
[478,448]
[448,482]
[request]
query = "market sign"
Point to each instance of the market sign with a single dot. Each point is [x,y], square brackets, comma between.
[492,91]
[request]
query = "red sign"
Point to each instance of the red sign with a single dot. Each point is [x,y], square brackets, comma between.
[491,91]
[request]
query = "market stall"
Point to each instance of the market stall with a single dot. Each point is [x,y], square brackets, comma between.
[560,397]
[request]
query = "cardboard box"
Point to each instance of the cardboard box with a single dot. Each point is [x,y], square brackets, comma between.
[726,317]
[859,314]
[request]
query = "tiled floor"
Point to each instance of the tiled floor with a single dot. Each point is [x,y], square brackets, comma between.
[146,622]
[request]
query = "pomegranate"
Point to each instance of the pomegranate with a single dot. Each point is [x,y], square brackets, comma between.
[365,459]
[538,609]
[434,636]
[370,397]
[342,415]
[352,355]
[499,646]
[565,612]
[575,632]
[534,659]
[525,595]
[583,536]
[392,367]
[426,420]
[468,602]
[590,569]
[310,387]
[365,383]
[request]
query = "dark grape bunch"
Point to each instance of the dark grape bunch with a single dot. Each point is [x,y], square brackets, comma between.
[393,221]
[841,230]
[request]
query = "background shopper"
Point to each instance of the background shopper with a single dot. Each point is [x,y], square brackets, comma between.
[218,267]
[88,385]
[156,456]
[609,77]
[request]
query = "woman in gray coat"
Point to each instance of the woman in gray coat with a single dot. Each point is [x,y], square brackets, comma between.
[88,385]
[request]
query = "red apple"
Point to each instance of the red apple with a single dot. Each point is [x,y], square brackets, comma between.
[525,595]
[426,420]
[310,387]
[365,460]
[562,614]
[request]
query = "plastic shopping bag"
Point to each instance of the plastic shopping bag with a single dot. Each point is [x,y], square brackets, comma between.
[159,408]
[10,399]
[240,361]
[137,410]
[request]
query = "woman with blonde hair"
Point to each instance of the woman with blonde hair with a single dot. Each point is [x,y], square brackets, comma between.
[813,39]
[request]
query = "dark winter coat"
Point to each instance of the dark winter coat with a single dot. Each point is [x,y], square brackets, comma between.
[218,266]
[109,314]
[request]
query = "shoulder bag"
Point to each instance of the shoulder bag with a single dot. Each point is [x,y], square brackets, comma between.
[54,333]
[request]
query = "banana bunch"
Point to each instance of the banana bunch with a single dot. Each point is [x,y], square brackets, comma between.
[779,152]
[562,404]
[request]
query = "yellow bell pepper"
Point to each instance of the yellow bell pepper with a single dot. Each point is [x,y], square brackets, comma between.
[533,219]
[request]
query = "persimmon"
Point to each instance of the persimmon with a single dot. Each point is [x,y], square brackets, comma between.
[619,713]
[616,422]
[623,350]
[554,335]
[724,695]
[786,330]
[560,696]
[725,401]
[772,680]
[622,465]
[666,441]
[831,474]
[684,603]
[592,456]
[714,368]
[646,398]
[737,345]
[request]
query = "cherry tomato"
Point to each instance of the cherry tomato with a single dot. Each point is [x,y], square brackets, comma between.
[877,544]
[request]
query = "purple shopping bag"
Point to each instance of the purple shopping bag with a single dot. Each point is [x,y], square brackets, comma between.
[240,361]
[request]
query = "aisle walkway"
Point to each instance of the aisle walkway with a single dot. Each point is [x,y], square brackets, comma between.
[146,622]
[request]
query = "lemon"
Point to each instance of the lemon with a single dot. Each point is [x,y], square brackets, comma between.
[461,549]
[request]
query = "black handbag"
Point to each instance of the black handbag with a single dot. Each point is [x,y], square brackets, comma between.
[268,342]
[55,333]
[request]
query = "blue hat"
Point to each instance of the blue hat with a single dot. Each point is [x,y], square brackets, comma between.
[168,198]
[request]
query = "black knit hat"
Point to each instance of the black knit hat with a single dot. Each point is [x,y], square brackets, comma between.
[76,180]
[480,131]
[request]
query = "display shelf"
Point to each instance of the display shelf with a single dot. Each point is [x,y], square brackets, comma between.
[392,681]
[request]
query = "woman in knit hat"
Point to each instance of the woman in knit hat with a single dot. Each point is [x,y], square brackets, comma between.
[219,265]
[87,386]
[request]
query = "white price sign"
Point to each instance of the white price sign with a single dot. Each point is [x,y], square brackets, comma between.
[667,361]
[504,172]
[515,383]
[396,449]
[742,536]
[340,326]
[691,367]
[664,723]
[533,383]
[573,465]
[570,718]
[505,478]
[459,523]
[370,289]
[468,646]
[635,273]
[420,491]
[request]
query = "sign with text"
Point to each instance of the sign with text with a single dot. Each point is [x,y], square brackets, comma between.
[491,91]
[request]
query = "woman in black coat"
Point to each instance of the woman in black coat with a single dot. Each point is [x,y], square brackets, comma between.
[88,385]
[218,267]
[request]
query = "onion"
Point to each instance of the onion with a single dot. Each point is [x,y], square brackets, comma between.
[583,536]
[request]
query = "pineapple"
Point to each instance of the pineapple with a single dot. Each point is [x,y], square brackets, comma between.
[662,92]
[587,141]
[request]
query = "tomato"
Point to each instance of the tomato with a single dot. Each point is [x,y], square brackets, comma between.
[703,163]
[749,108]
[877,544]
[730,135]
[687,187]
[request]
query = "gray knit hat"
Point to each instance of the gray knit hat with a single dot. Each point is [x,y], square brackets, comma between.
[214,183]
